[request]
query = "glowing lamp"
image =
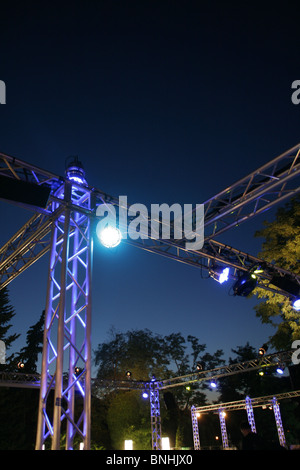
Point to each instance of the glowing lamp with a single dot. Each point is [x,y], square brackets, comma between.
[75,171]
[280,369]
[110,236]
[128,444]
[213,384]
[219,274]
[296,304]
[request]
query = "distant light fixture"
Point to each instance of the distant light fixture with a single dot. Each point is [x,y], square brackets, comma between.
[110,236]
[261,372]
[128,444]
[145,395]
[199,366]
[213,384]
[296,304]
[75,171]
[165,443]
[245,284]
[128,374]
[262,351]
[280,369]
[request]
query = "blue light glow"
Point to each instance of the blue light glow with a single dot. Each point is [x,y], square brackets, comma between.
[110,237]
[296,304]
[213,384]
[224,276]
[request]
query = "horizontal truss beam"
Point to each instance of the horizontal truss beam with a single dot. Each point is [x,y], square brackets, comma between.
[241,404]
[33,380]
[223,211]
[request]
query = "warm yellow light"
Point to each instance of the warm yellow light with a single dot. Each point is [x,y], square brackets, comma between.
[128,444]
[165,443]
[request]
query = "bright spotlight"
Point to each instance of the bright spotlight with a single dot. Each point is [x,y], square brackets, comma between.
[109,236]
[213,384]
[219,274]
[224,276]
[145,395]
[165,443]
[296,304]
[280,369]
[128,444]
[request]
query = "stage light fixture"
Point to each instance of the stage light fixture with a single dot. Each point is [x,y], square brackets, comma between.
[245,284]
[145,395]
[280,369]
[213,384]
[110,236]
[75,171]
[220,274]
[296,304]
[128,374]
[262,350]
[200,366]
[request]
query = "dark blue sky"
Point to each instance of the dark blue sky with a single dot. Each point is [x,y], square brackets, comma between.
[163,101]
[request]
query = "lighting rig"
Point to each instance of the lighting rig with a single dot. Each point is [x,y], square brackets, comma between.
[63,225]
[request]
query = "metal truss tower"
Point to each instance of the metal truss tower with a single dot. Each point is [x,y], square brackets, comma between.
[67,342]
[279,426]
[155,415]
[223,428]
[195,427]
[250,414]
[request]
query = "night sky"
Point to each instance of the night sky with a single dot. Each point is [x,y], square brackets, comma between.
[162,101]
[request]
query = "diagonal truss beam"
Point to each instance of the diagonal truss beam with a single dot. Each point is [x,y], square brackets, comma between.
[259,191]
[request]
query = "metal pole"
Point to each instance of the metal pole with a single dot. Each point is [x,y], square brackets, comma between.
[278,420]
[195,427]
[155,416]
[223,428]
[250,414]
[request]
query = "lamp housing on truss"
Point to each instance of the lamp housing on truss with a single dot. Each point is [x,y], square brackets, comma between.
[245,284]
[75,171]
